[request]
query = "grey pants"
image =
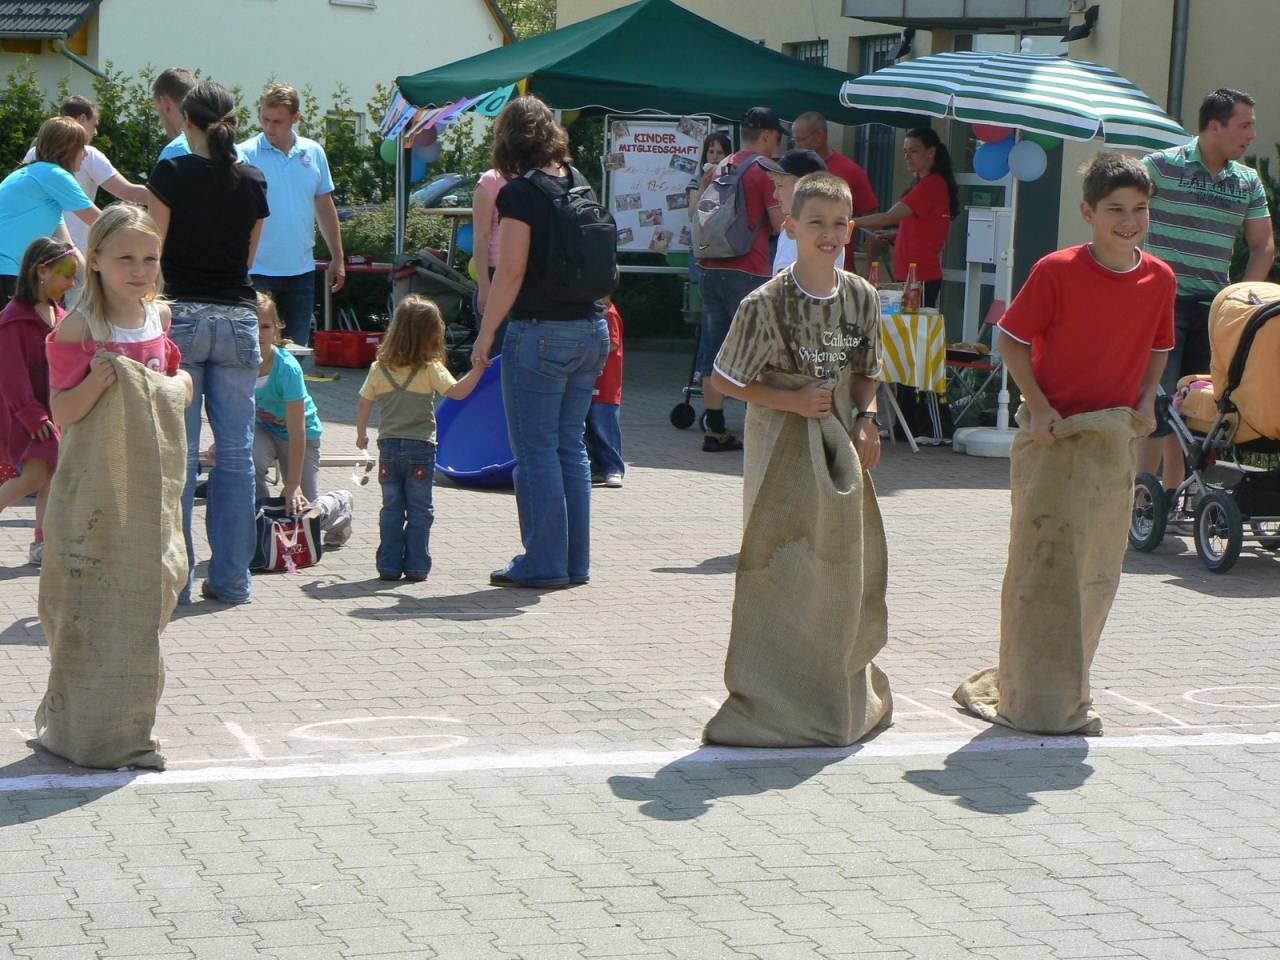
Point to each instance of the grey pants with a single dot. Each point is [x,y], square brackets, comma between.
[269,447]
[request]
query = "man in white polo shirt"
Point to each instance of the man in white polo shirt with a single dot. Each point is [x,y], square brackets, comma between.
[301,192]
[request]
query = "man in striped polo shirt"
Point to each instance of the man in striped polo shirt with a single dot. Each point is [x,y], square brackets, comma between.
[1203,195]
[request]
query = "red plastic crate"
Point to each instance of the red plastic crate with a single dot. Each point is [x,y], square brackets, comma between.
[346,348]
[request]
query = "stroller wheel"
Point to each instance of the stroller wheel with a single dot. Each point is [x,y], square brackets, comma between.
[1150,513]
[682,416]
[1219,531]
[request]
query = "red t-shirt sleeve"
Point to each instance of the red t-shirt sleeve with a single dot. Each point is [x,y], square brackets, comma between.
[1031,310]
[865,200]
[1164,338]
[760,194]
[929,197]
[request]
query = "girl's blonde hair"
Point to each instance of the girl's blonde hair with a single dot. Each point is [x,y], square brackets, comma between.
[416,334]
[60,141]
[267,308]
[93,301]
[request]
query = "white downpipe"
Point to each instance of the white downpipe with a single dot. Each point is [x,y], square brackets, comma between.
[1002,401]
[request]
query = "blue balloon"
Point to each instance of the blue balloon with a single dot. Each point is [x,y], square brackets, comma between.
[991,161]
[466,237]
[417,169]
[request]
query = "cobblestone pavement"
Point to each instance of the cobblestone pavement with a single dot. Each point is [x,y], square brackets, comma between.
[449,770]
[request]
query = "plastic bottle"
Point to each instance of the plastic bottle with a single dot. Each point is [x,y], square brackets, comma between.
[911,292]
[873,273]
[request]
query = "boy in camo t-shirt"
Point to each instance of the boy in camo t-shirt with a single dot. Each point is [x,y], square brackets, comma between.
[812,321]
[809,611]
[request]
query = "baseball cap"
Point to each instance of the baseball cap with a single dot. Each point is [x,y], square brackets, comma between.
[797,163]
[764,118]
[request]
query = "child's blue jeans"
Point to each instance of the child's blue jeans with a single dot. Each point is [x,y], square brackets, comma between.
[604,440]
[405,470]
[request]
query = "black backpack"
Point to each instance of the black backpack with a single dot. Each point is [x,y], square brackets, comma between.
[582,242]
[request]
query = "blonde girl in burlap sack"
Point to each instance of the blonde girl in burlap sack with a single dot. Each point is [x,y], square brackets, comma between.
[114,558]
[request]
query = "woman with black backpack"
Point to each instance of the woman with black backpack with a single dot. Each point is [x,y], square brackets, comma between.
[559,257]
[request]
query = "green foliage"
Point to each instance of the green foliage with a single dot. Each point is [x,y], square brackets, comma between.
[531,17]
[22,110]
[129,130]
[466,149]
[1271,184]
[371,231]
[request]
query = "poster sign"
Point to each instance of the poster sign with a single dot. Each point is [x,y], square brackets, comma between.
[648,165]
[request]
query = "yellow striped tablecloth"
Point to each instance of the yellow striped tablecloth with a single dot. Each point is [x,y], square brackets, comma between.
[915,350]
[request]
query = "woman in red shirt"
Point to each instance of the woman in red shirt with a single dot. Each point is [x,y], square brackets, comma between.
[923,216]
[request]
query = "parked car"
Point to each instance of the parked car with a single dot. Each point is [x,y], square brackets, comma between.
[446,190]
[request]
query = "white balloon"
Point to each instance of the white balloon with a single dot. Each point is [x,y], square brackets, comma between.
[1027,160]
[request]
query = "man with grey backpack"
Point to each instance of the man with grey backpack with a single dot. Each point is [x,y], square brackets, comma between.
[734,219]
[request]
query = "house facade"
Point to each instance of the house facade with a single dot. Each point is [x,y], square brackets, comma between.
[245,43]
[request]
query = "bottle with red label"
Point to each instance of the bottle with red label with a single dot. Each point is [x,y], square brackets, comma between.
[911,292]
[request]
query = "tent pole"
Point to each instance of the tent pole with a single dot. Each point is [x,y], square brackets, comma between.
[402,195]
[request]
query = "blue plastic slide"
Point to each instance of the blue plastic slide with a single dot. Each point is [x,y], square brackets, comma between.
[472,446]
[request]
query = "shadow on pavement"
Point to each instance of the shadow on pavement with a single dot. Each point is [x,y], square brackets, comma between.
[26,795]
[712,565]
[989,779]
[688,788]
[496,603]
[25,631]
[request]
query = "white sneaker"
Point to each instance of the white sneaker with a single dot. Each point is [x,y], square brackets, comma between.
[35,554]
[613,480]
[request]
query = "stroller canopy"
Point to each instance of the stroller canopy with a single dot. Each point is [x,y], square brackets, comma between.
[1257,396]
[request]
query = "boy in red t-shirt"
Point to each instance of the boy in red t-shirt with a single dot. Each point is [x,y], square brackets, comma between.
[1093,324]
[1086,340]
[604,431]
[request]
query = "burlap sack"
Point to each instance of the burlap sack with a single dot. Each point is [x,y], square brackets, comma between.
[1067,539]
[809,609]
[114,562]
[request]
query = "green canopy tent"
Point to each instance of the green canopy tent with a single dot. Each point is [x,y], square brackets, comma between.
[650,56]
[653,56]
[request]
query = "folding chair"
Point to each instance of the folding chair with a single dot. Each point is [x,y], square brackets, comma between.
[968,378]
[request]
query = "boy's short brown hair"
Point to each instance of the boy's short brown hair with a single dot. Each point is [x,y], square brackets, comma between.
[820,186]
[174,83]
[1110,171]
[281,95]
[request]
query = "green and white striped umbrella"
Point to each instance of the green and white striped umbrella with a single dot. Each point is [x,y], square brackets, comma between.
[1073,99]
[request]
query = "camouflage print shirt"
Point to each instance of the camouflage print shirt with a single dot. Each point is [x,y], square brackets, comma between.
[781,329]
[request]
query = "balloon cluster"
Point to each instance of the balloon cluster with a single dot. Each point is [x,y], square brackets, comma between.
[1002,153]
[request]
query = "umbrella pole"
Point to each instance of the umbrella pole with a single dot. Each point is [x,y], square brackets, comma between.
[1002,401]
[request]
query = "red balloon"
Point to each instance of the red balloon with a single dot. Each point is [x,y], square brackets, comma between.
[990,133]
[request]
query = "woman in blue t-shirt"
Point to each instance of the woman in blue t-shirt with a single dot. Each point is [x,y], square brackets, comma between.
[34,197]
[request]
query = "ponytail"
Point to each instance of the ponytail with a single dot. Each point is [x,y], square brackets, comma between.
[212,109]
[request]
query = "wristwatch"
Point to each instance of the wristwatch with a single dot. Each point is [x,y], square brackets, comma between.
[865,415]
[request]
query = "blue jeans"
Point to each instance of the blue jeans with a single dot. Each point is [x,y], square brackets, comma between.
[549,369]
[405,470]
[295,299]
[722,291]
[219,347]
[604,440]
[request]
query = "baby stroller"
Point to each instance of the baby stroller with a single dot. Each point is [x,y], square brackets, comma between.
[1232,413]
[427,273]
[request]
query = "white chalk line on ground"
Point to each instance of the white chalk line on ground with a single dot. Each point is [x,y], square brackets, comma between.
[641,760]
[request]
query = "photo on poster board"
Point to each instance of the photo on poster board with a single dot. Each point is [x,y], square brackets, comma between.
[650,164]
